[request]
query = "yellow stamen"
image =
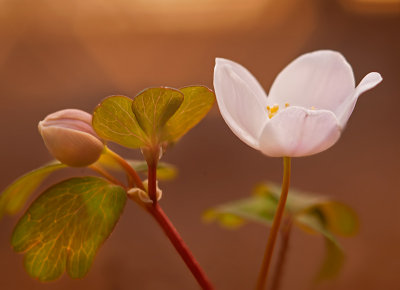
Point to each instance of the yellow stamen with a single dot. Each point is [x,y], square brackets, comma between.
[273,111]
[286,105]
[268,108]
[313,108]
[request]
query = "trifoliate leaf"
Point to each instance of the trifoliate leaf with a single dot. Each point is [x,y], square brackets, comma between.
[197,103]
[113,120]
[15,195]
[154,107]
[63,229]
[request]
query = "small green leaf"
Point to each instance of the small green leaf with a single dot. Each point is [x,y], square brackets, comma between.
[154,107]
[297,201]
[340,218]
[227,220]
[113,120]
[63,229]
[197,102]
[332,263]
[165,171]
[258,209]
[15,195]
[334,256]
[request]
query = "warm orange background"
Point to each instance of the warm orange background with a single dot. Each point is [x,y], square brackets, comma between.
[62,54]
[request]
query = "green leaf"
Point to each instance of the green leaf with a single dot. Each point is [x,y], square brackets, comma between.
[332,263]
[154,107]
[340,218]
[63,229]
[15,195]
[257,209]
[113,120]
[165,171]
[334,257]
[197,102]
[225,219]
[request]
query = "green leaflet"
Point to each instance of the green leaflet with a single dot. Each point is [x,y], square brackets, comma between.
[197,103]
[165,171]
[154,107]
[113,120]
[63,229]
[16,194]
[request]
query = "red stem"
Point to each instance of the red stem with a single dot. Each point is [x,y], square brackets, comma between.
[180,246]
[152,181]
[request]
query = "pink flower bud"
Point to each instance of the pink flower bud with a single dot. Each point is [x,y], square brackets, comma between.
[70,138]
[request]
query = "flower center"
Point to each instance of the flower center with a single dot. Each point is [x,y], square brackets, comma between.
[272,111]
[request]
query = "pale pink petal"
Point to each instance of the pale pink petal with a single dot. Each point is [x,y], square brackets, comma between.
[241,100]
[322,79]
[367,83]
[296,131]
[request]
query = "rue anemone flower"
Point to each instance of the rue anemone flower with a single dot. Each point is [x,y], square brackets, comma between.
[307,108]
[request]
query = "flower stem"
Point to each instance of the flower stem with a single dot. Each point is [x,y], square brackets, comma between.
[263,275]
[134,178]
[152,179]
[105,174]
[180,246]
[285,237]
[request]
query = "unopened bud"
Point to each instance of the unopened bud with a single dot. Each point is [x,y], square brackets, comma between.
[143,195]
[70,138]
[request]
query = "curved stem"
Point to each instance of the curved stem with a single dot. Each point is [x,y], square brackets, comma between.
[263,275]
[134,178]
[180,246]
[107,175]
[285,237]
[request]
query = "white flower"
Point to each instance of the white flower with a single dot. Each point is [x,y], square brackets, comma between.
[307,108]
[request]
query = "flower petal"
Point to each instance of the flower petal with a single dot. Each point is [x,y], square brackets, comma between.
[296,131]
[367,83]
[322,79]
[241,100]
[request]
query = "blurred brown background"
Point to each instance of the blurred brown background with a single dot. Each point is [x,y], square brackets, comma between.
[61,54]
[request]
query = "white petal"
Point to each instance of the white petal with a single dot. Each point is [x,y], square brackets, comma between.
[296,132]
[241,100]
[367,83]
[322,79]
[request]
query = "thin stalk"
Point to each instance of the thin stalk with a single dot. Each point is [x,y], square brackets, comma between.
[133,177]
[152,180]
[180,246]
[107,175]
[263,275]
[285,238]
